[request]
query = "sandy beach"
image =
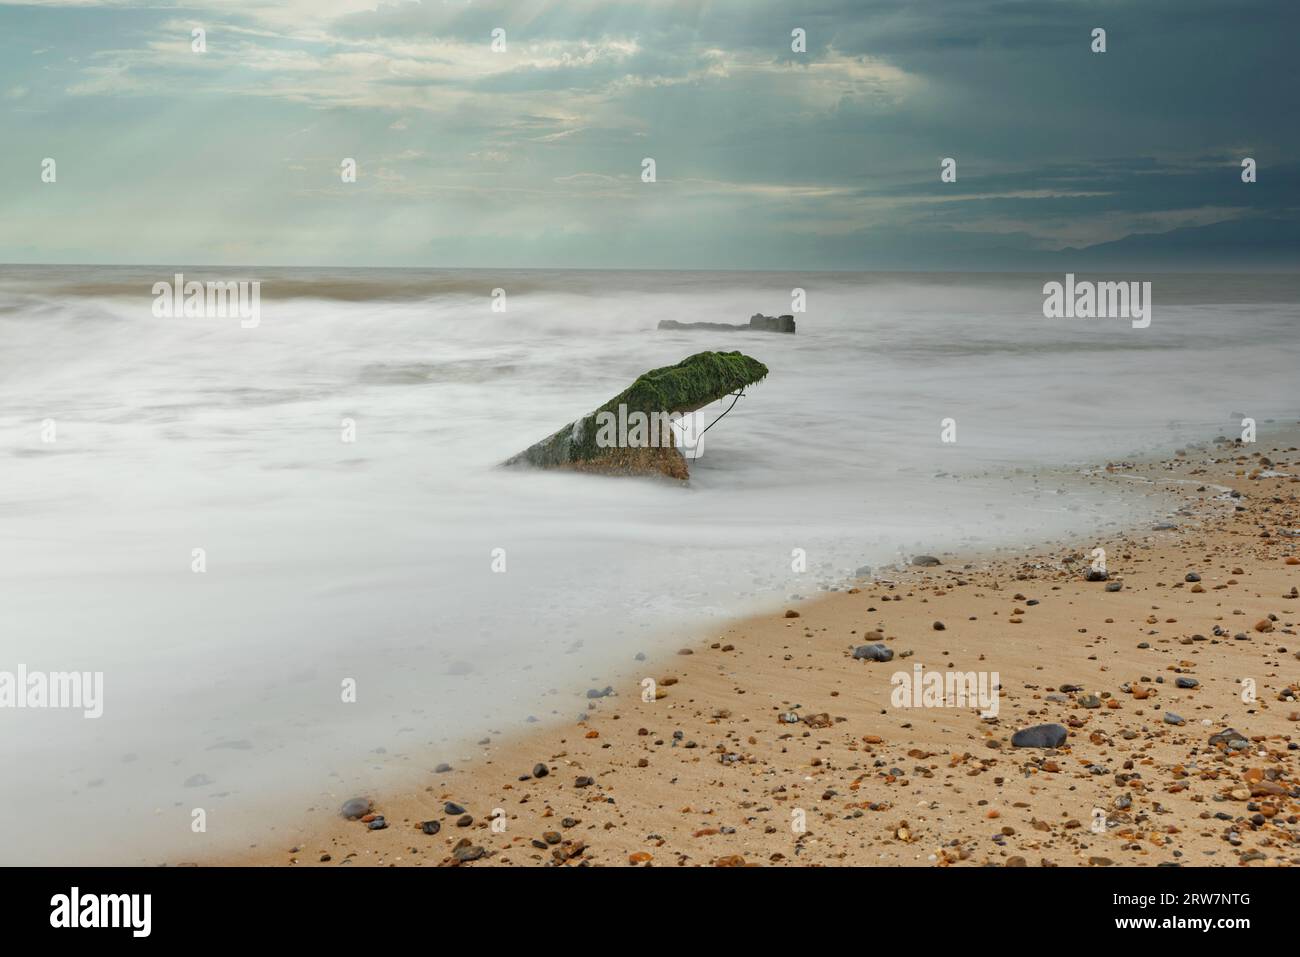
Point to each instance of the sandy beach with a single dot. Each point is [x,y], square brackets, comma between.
[770,743]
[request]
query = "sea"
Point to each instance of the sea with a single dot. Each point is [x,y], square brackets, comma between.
[290,550]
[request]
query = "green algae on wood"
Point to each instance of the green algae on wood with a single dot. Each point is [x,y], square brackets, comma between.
[673,390]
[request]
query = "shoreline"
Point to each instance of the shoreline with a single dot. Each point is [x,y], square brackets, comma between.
[773,724]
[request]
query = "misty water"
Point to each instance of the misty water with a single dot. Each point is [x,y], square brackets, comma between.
[372,560]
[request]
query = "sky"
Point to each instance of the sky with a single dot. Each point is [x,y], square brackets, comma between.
[765,157]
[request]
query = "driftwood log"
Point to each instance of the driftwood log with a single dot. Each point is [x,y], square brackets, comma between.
[601,440]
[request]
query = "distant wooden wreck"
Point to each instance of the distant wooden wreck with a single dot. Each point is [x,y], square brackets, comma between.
[757,323]
[602,441]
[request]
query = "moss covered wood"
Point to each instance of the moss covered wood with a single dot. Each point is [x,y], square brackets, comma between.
[679,389]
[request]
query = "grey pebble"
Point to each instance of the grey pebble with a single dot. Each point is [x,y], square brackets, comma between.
[1040,736]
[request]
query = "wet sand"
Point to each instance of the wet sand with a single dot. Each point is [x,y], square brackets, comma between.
[770,744]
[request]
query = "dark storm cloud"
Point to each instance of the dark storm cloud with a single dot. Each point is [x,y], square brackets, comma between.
[766,157]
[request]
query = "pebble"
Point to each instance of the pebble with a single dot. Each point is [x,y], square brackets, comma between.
[1230,738]
[926,561]
[355,808]
[468,852]
[1040,736]
[874,652]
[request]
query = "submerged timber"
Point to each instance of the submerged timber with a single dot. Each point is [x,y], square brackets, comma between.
[757,323]
[671,391]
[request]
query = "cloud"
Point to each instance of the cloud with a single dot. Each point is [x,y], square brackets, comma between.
[828,157]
